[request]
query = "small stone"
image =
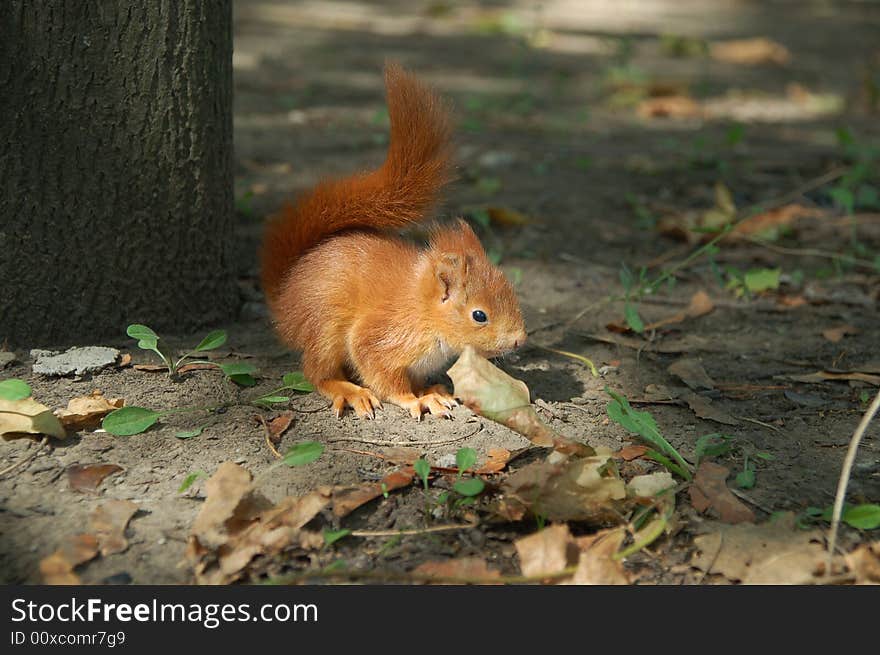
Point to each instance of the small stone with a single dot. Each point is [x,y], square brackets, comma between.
[447,461]
[88,359]
[6,358]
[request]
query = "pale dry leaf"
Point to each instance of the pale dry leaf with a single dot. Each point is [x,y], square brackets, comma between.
[768,225]
[20,418]
[650,484]
[471,569]
[596,563]
[546,552]
[86,412]
[496,461]
[824,376]
[87,477]
[775,552]
[575,489]
[108,522]
[709,491]
[57,568]
[750,52]
[490,392]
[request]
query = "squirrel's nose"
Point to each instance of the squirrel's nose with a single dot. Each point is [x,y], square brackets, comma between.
[520,339]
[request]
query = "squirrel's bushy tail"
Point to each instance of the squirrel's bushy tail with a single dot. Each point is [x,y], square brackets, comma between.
[395,195]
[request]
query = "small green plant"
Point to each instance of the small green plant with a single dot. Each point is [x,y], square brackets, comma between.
[305,452]
[630,309]
[423,470]
[716,445]
[332,536]
[190,479]
[644,425]
[148,340]
[468,488]
[862,517]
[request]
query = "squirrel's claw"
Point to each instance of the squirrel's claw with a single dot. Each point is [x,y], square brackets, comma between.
[362,401]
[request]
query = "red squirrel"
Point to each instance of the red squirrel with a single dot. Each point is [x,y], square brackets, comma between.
[359,301]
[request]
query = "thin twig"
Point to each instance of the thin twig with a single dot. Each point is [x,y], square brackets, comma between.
[380,442]
[739,494]
[33,455]
[842,483]
[757,422]
[812,252]
[414,531]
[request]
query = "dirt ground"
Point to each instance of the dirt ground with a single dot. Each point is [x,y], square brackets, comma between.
[547,97]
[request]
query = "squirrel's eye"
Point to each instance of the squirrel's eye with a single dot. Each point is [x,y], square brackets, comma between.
[479,316]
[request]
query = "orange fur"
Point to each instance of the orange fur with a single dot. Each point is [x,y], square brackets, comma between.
[362,303]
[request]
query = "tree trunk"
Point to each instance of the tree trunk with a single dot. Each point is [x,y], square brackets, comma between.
[115,169]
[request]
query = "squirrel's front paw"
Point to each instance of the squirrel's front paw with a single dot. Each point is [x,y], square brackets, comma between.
[436,400]
[346,394]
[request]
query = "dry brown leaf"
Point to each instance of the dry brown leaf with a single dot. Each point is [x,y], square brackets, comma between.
[236,524]
[750,52]
[546,552]
[690,371]
[790,302]
[124,361]
[151,368]
[674,106]
[471,569]
[507,217]
[21,418]
[348,499]
[86,412]
[767,224]
[709,491]
[576,489]
[87,477]
[58,567]
[496,461]
[278,426]
[186,368]
[824,376]
[705,408]
[490,392]
[596,565]
[700,305]
[775,552]
[108,522]
[230,505]
[629,453]
[864,562]
[835,334]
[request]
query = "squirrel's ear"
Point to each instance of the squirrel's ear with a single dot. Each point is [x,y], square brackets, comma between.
[451,271]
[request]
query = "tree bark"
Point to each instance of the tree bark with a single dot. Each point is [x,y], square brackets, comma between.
[115,169]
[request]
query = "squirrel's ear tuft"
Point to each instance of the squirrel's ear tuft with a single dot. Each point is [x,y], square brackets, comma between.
[450,270]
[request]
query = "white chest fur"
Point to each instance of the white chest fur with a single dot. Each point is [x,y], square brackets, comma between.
[433,361]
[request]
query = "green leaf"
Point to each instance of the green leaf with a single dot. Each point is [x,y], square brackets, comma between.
[189,434]
[422,469]
[141,332]
[214,340]
[303,453]
[332,536]
[14,389]
[643,424]
[297,381]
[709,446]
[243,379]
[863,517]
[764,456]
[762,279]
[237,368]
[188,480]
[272,399]
[465,458]
[469,487]
[745,479]
[844,198]
[633,320]
[126,421]
[149,344]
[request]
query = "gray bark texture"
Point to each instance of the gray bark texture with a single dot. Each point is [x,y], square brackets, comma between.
[115,168]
